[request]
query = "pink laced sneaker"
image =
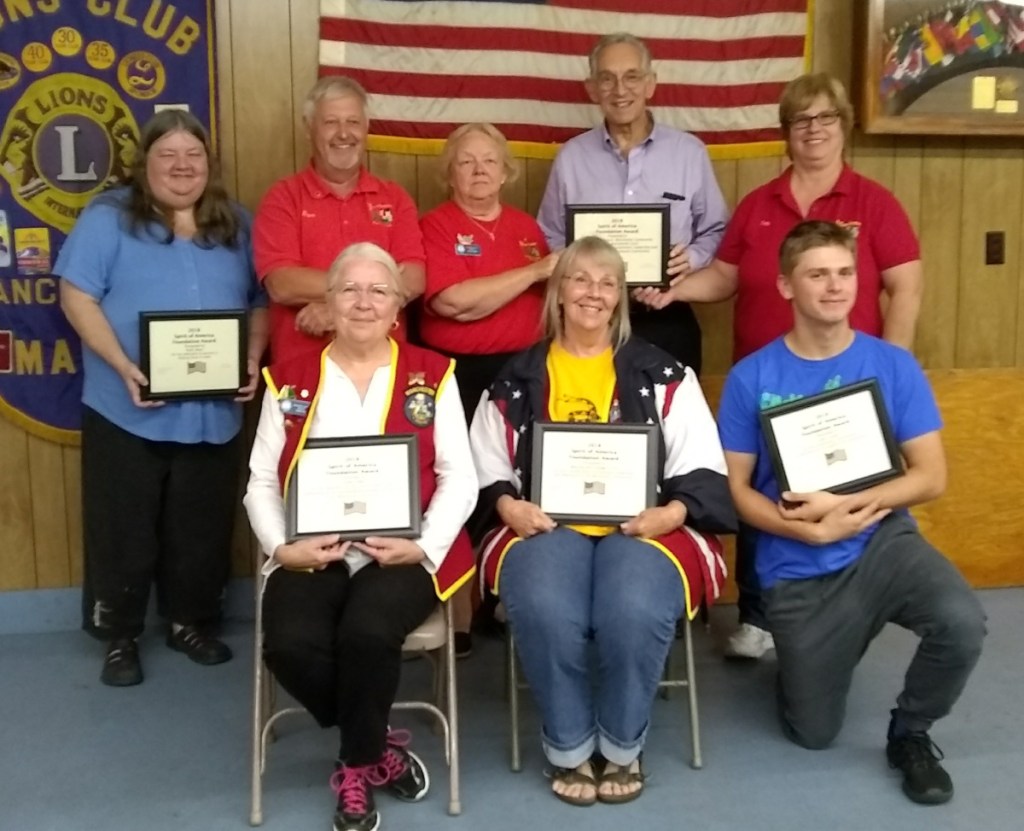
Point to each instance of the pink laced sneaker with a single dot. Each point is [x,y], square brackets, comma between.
[353,786]
[403,771]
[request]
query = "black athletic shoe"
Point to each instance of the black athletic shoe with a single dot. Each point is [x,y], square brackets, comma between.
[354,787]
[924,780]
[463,644]
[405,775]
[198,646]
[121,667]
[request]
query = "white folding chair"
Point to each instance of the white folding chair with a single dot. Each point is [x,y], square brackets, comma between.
[434,637]
[666,685]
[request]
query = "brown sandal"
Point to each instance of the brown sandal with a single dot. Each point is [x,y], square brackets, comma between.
[622,776]
[572,776]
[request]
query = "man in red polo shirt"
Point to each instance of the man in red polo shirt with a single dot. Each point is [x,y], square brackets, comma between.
[306,220]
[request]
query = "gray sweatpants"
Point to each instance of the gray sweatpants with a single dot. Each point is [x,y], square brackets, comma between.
[822,627]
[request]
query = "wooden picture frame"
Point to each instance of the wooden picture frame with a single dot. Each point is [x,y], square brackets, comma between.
[934,67]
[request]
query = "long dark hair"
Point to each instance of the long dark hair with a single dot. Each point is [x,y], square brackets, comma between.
[217,222]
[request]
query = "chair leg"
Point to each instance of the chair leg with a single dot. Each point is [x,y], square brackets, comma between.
[258,710]
[454,802]
[512,676]
[691,688]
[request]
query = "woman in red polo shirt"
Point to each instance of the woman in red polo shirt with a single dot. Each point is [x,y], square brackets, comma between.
[816,119]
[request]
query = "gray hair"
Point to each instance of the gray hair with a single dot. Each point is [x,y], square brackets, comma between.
[611,40]
[332,86]
[604,255]
[365,252]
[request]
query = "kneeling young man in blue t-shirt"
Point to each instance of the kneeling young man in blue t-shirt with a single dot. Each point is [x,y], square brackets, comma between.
[835,568]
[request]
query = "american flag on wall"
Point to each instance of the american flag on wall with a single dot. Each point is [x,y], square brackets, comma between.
[431,65]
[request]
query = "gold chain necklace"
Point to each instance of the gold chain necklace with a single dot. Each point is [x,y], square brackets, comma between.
[493,230]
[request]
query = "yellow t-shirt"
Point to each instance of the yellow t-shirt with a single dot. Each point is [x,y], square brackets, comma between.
[581,391]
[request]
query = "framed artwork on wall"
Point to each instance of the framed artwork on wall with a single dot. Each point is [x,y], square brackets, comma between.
[935,67]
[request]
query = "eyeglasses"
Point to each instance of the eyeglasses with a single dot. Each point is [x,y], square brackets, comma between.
[581,282]
[632,80]
[378,294]
[824,119]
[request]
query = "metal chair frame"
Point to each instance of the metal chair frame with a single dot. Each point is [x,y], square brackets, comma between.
[665,687]
[441,653]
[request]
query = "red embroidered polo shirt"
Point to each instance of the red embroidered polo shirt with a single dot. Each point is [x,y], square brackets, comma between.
[885,239]
[301,222]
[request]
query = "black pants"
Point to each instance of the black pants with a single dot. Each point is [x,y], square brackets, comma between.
[153,510]
[822,627]
[674,329]
[475,374]
[334,642]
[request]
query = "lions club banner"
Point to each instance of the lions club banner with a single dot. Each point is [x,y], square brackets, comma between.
[77,79]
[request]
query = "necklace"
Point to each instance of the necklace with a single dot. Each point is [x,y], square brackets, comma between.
[493,230]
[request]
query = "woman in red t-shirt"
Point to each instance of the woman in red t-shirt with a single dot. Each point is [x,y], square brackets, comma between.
[486,263]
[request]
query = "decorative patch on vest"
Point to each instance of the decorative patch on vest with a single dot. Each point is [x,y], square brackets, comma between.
[381,214]
[420,405]
[530,249]
[417,379]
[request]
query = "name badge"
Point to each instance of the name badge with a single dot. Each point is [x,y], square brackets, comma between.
[294,407]
[464,250]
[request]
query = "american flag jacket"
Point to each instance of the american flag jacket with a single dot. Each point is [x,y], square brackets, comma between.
[651,388]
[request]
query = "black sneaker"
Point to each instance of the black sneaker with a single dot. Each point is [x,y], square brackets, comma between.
[405,775]
[121,667]
[463,644]
[198,646]
[356,810]
[924,780]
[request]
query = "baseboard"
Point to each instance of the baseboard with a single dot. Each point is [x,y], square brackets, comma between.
[59,610]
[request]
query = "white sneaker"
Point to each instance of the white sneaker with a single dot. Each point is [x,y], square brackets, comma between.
[748,641]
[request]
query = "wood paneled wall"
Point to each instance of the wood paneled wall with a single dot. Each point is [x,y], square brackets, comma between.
[954,189]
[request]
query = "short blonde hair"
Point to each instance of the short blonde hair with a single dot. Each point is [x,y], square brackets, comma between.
[800,92]
[333,86]
[451,147]
[603,255]
[365,252]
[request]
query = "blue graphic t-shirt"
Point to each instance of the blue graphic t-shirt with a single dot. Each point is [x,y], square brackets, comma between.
[774,375]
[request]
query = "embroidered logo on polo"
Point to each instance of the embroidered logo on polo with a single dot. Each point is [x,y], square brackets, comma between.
[465,246]
[381,214]
[853,226]
[530,249]
[419,400]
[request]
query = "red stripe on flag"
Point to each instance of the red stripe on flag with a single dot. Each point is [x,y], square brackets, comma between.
[549,135]
[554,43]
[541,89]
[691,8]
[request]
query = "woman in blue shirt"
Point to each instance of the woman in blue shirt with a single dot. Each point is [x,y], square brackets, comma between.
[158,478]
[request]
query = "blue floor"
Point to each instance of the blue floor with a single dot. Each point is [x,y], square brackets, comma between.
[173,754]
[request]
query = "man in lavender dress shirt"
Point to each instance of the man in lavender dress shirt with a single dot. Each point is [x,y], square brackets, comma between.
[630,158]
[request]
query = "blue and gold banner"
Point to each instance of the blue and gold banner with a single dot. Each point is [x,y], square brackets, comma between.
[77,79]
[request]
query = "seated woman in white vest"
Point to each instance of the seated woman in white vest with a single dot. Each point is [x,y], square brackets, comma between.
[336,613]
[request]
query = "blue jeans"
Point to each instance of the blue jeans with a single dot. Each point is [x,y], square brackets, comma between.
[563,589]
